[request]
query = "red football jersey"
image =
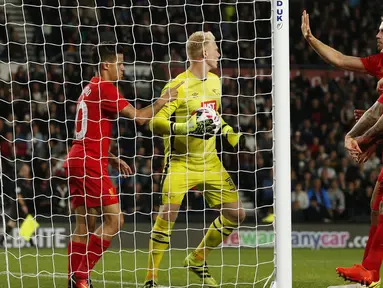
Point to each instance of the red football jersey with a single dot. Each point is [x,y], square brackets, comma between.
[97,107]
[374,65]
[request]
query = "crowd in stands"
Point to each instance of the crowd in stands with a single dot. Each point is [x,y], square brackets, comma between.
[37,108]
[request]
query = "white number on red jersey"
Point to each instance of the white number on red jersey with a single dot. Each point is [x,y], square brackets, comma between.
[82,115]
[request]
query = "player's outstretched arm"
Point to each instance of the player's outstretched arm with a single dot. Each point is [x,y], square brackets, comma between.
[368,141]
[327,53]
[374,134]
[144,115]
[367,121]
[358,113]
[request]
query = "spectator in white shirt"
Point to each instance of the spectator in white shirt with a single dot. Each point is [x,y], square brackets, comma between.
[331,174]
[372,163]
[300,202]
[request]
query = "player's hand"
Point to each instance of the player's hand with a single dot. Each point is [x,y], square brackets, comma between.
[361,150]
[235,138]
[365,142]
[379,86]
[125,169]
[195,128]
[351,145]
[361,158]
[121,166]
[358,114]
[305,27]
[171,94]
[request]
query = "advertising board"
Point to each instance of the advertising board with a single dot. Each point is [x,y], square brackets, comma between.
[303,236]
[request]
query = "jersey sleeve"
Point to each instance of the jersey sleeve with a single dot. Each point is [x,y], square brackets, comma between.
[160,124]
[371,63]
[380,99]
[223,122]
[111,99]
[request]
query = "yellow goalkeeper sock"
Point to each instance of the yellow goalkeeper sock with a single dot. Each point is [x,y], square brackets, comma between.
[218,231]
[158,243]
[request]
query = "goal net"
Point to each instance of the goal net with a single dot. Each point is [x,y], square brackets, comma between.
[45,63]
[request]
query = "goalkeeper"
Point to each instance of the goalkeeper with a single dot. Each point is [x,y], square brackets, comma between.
[192,160]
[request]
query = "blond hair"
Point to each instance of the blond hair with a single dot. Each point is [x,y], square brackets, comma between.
[196,43]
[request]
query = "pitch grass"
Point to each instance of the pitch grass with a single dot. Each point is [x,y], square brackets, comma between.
[127,269]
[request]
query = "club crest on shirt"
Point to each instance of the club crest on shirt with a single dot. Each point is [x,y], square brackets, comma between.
[212,104]
[86,92]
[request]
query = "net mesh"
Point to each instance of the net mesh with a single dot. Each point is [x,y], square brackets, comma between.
[45,64]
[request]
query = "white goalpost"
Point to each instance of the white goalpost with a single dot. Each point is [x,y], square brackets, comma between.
[281,88]
[45,63]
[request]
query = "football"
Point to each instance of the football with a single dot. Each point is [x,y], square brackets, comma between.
[205,113]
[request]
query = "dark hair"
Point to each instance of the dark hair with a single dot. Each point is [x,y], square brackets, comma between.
[106,51]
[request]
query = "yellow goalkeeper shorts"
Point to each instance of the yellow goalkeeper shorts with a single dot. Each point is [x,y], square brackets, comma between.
[216,183]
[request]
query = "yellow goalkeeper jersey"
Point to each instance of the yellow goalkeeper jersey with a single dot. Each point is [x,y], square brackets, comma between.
[193,94]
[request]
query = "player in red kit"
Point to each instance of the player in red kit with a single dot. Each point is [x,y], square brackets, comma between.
[99,104]
[368,272]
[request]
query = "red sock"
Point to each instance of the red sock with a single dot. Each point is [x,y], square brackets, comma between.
[96,248]
[370,237]
[76,250]
[375,255]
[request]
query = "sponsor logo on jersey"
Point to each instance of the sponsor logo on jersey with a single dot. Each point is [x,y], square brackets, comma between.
[212,104]
[231,183]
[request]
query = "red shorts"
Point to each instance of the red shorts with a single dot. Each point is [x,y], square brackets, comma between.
[90,188]
[379,195]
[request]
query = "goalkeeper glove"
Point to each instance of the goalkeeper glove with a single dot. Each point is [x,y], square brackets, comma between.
[195,128]
[233,137]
